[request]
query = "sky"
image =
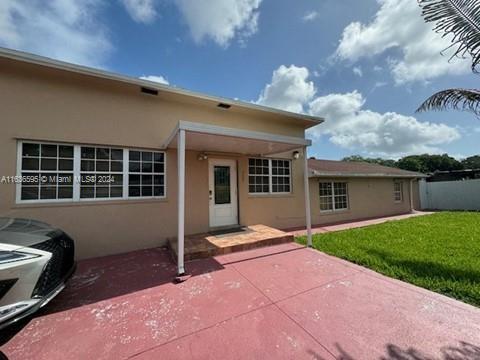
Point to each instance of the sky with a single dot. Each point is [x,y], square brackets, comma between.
[363,65]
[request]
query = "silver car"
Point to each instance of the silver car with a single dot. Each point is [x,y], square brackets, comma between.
[36,260]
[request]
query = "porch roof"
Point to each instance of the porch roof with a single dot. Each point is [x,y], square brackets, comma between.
[212,138]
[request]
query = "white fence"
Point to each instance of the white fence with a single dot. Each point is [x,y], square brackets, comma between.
[450,195]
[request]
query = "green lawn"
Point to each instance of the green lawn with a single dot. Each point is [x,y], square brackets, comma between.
[440,252]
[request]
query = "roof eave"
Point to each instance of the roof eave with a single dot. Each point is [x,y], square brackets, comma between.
[315,174]
[61,65]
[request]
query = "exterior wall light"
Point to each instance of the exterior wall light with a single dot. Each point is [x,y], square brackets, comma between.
[202,157]
[296,155]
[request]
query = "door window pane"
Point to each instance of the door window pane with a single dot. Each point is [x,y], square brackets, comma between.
[222,184]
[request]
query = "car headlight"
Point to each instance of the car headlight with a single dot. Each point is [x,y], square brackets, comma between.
[11,256]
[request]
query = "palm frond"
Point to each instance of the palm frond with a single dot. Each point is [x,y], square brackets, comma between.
[460,18]
[456,99]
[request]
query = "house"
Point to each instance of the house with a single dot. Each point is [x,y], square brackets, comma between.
[344,191]
[122,163]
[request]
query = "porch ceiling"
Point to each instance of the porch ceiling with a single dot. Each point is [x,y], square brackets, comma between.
[210,138]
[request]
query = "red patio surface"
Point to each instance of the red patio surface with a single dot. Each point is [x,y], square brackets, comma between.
[280,302]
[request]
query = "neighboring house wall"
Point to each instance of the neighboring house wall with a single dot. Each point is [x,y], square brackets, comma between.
[53,105]
[368,198]
[450,195]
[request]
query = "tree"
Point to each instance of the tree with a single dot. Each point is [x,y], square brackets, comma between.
[412,163]
[380,161]
[472,162]
[460,18]
[429,163]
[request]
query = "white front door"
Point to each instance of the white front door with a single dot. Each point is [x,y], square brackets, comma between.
[223,192]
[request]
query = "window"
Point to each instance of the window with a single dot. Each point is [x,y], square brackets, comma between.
[101,171]
[280,176]
[266,176]
[258,176]
[63,172]
[46,171]
[146,174]
[333,196]
[398,191]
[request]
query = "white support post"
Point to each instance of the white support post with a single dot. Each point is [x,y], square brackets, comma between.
[308,215]
[181,200]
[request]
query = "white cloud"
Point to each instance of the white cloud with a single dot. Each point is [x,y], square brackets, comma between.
[310,16]
[399,24]
[377,85]
[357,70]
[61,29]
[351,126]
[289,89]
[142,11]
[155,78]
[348,124]
[220,20]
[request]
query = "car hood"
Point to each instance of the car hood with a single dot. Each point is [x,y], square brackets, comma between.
[24,232]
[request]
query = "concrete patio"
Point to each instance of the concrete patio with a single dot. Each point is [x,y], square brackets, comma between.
[278,302]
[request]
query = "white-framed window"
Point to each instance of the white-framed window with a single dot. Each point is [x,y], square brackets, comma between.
[56,172]
[398,191]
[101,172]
[269,176]
[46,172]
[333,196]
[146,174]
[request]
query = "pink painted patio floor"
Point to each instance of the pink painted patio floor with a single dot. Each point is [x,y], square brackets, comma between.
[280,302]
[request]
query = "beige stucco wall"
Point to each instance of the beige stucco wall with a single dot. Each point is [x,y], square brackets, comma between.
[52,105]
[368,198]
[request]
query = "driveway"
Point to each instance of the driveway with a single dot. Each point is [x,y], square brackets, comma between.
[280,302]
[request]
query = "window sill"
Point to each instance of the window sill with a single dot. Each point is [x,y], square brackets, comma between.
[89,203]
[334,212]
[271,195]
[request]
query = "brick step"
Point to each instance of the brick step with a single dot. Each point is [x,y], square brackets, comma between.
[207,245]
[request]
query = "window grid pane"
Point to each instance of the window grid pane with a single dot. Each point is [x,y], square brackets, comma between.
[281,176]
[146,174]
[46,171]
[398,191]
[258,176]
[101,172]
[269,175]
[333,196]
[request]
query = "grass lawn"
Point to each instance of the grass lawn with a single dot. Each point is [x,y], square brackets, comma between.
[439,252]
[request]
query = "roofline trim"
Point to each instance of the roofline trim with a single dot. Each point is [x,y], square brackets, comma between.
[80,69]
[236,133]
[315,174]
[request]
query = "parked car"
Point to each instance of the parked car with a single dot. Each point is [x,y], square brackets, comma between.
[36,260]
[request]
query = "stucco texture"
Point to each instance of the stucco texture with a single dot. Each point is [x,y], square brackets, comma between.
[44,104]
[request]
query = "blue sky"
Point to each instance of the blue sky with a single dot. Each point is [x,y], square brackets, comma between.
[364,65]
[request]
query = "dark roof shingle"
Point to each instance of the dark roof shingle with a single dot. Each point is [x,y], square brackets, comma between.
[330,168]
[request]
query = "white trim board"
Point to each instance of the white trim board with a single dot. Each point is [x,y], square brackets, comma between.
[236,133]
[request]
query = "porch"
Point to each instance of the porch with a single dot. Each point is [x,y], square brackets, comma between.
[222,147]
[228,241]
